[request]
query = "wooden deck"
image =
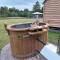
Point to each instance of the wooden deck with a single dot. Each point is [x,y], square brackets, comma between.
[6,55]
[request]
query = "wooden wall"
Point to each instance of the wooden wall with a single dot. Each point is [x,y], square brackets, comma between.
[52,12]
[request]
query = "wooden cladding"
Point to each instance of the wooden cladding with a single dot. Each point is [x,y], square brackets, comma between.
[52,11]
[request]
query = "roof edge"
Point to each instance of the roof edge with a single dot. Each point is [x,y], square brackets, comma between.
[44,1]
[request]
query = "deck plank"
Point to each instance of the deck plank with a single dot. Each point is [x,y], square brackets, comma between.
[7,55]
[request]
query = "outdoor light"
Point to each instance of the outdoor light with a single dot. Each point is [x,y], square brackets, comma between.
[37,17]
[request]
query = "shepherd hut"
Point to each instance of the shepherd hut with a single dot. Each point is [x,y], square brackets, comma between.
[52,12]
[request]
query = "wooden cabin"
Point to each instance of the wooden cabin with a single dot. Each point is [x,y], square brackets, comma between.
[52,12]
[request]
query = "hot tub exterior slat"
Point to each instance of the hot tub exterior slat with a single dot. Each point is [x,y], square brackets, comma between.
[23,44]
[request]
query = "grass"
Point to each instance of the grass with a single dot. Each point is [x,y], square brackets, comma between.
[4,39]
[53,37]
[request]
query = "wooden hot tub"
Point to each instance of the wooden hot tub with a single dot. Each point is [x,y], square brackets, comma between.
[26,40]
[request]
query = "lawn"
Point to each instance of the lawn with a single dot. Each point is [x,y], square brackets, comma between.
[4,39]
[53,37]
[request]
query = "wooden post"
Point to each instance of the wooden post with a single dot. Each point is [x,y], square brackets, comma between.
[5,25]
[58,48]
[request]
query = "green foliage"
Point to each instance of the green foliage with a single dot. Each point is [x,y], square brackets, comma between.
[26,11]
[36,7]
[4,11]
[41,10]
[13,12]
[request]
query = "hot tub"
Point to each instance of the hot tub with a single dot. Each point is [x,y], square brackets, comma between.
[25,40]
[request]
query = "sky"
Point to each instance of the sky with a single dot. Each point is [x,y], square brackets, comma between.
[20,4]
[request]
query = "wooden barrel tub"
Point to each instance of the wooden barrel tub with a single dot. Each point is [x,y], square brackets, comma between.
[25,40]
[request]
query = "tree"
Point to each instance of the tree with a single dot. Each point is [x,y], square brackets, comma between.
[4,11]
[26,12]
[13,12]
[36,7]
[41,10]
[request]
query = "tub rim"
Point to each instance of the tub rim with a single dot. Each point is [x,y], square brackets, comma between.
[9,27]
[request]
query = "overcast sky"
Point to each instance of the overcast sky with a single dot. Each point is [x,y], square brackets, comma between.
[20,4]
